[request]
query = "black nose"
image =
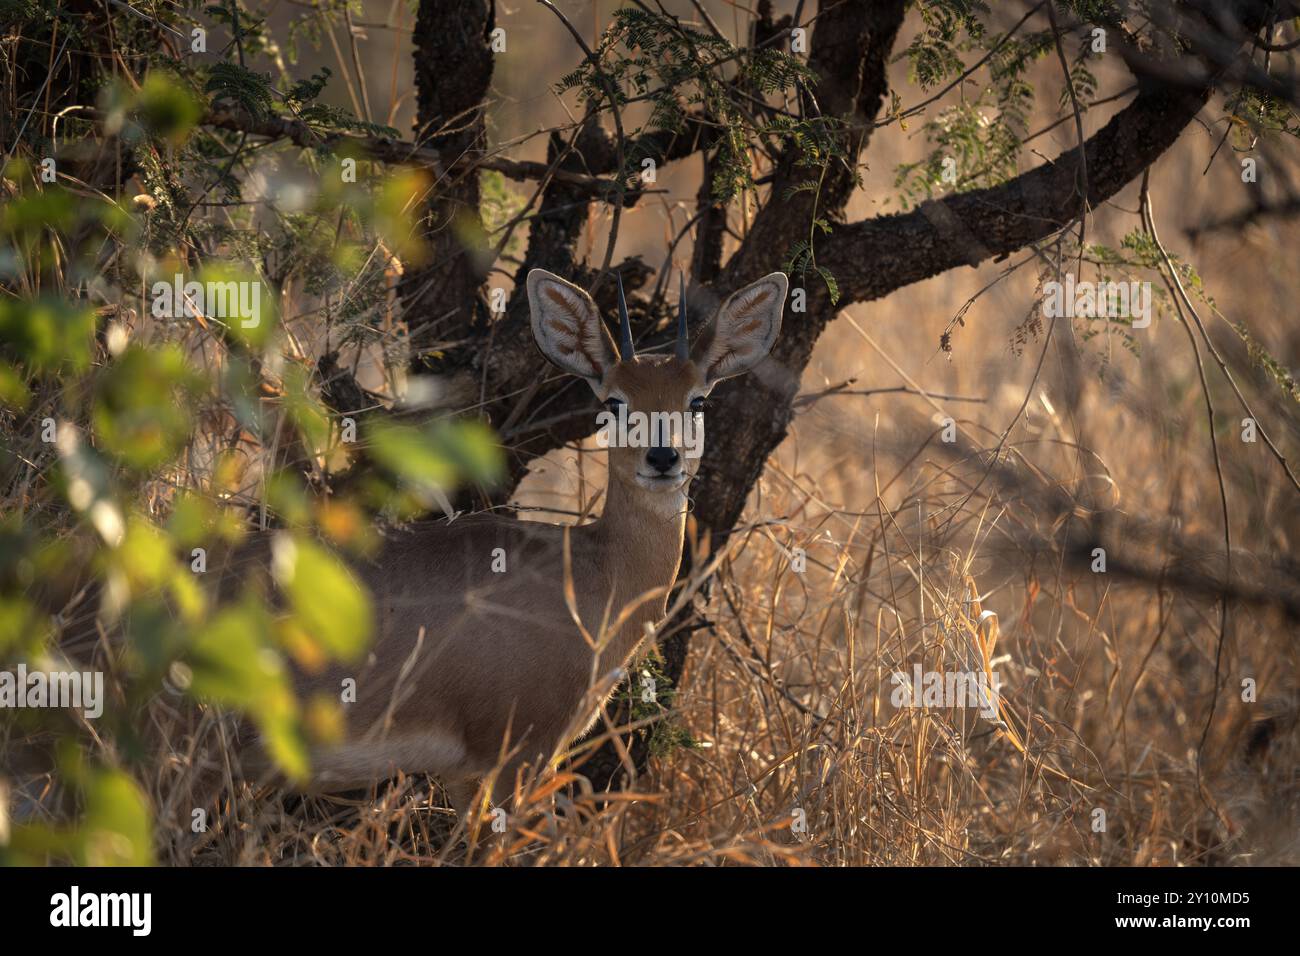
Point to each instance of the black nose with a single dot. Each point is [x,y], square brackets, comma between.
[662,460]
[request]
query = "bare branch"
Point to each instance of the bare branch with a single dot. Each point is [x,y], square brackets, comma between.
[399,152]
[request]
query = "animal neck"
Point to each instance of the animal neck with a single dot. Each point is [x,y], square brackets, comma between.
[640,536]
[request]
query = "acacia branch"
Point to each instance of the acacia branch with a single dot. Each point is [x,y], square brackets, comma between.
[851,43]
[874,257]
[399,152]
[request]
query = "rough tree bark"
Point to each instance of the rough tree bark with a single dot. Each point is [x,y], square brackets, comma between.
[453,71]
[852,41]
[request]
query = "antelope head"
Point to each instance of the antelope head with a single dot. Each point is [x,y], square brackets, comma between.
[654,403]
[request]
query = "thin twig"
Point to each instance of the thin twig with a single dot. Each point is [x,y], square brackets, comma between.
[620,141]
[1173,283]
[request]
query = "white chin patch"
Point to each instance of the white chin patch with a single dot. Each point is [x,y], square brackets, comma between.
[670,483]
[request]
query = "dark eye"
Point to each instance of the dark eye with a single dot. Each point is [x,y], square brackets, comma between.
[698,403]
[614,404]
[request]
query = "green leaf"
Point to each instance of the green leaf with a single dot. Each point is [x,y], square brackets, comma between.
[306,411]
[232,663]
[116,830]
[472,448]
[239,299]
[166,109]
[141,415]
[14,393]
[439,456]
[48,334]
[408,452]
[28,214]
[146,561]
[250,91]
[23,629]
[832,286]
[328,602]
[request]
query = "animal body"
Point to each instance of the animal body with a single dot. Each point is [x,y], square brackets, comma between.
[478,654]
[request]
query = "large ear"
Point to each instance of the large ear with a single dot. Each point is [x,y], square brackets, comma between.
[743,331]
[568,327]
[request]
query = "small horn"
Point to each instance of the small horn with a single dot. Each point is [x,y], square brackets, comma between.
[625,347]
[683,337]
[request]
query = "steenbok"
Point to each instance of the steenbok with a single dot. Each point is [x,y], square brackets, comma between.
[497,640]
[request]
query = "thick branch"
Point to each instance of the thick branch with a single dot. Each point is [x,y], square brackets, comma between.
[453,71]
[851,44]
[874,257]
[399,152]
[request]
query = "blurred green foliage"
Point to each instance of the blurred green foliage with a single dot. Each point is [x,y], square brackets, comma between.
[147,439]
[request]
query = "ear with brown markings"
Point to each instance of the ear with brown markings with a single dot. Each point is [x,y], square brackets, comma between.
[568,327]
[743,331]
